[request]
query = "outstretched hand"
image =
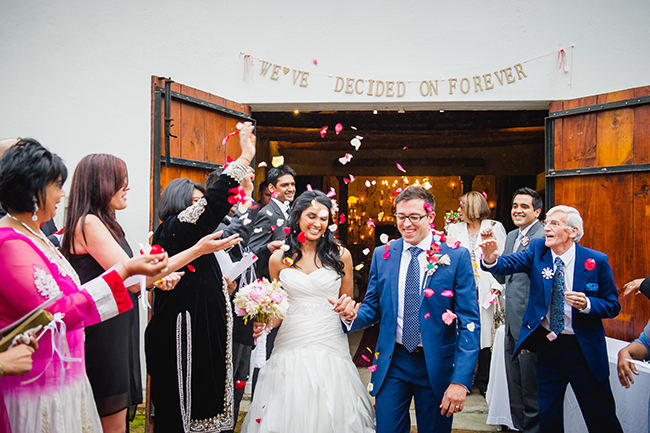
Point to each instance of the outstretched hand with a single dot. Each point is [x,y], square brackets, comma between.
[345,307]
[210,243]
[247,141]
[632,286]
[489,246]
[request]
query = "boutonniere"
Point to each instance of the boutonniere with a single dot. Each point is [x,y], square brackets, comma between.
[434,258]
[547,273]
[590,264]
[524,241]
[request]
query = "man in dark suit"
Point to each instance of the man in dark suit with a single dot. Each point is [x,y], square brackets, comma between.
[268,229]
[571,290]
[422,293]
[520,370]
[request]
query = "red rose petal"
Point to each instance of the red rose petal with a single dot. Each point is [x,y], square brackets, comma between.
[239,384]
[302,237]
[386,255]
[258,420]
[287,230]
[191,268]
[156,249]
[342,219]
[428,293]
[323,131]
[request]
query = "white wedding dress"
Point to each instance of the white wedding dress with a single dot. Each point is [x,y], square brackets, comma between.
[309,384]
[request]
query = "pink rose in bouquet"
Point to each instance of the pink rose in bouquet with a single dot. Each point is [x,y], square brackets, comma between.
[261,300]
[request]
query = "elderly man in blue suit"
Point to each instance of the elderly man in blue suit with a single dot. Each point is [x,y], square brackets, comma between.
[422,293]
[571,290]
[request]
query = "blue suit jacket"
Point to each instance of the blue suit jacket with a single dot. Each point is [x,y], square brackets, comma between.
[450,351]
[597,284]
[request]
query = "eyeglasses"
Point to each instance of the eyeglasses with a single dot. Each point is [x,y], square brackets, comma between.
[553,223]
[414,218]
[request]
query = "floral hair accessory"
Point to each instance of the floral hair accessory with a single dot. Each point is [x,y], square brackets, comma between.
[590,264]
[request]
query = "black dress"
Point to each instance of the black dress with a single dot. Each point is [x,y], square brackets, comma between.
[188,341]
[112,348]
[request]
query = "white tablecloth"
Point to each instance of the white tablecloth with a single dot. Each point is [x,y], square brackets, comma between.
[631,404]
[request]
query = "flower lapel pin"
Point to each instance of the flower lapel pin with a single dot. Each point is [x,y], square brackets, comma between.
[525,241]
[547,273]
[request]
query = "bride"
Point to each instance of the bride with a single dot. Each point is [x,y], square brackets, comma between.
[309,383]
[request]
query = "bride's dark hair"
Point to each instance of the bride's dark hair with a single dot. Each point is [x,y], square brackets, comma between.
[328,247]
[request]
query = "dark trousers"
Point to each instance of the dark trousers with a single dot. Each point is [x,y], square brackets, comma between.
[559,363]
[522,387]
[483,369]
[407,378]
[241,361]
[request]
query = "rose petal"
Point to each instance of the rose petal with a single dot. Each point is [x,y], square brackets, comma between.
[287,230]
[156,249]
[302,237]
[342,218]
[315,62]
[373,368]
[399,167]
[338,128]
[471,326]
[309,188]
[346,180]
[448,317]
[277,161]
[383,238]
[356,143]
[191,268]
[368,184]
[365,358]
[404,148]
[351,178]
[323,131]
[447,293]
[386,254]
[239,384]
[366,251]
[427,315]
[370,223]
[333,227]
[331,193]
[428,293]
[262,164]
[358,267]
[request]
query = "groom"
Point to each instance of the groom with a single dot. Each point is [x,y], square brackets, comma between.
[422,293]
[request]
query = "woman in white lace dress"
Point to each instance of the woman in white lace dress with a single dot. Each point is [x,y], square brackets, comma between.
[309,383]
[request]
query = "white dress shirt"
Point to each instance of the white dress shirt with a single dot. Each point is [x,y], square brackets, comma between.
[403,267]
[283,207]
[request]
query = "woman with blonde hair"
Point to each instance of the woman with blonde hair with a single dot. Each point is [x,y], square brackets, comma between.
[474,211]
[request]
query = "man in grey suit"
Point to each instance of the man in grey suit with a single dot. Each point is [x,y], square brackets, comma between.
[521,371]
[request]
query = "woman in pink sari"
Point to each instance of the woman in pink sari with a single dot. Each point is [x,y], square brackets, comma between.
[55,395]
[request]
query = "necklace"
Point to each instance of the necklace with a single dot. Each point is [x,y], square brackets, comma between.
[64,267]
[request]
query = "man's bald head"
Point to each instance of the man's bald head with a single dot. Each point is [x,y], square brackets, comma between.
[6,143]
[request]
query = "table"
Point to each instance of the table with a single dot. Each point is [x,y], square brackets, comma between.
[631,404]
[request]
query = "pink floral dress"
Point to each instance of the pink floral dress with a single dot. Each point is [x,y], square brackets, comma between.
[56,395]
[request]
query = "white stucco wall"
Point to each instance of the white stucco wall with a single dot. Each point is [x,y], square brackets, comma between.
[76,74]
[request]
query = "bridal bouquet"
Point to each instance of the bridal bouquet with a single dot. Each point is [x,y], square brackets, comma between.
[262,301]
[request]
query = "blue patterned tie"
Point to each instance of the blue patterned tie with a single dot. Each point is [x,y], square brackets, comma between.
[411,327]
[557,298]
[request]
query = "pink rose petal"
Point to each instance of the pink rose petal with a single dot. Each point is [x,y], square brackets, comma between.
[448,317]
[331,193]
[365,358]
[427,315]
[447,294]
[373,368]
[399,167]
[323,131]
[370,223]
[315,62]
[309,188]
[338,128]
[386,255]
[428,293]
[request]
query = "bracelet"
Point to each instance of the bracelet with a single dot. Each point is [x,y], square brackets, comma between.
[236,171]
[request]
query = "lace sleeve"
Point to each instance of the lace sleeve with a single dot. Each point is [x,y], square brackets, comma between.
[29,282]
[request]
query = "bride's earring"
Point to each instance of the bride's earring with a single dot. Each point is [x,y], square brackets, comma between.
[34,217]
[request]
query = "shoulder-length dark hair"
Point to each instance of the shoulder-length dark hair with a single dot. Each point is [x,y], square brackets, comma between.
[177,196]
[26,169]
[95,181]
[328,249]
